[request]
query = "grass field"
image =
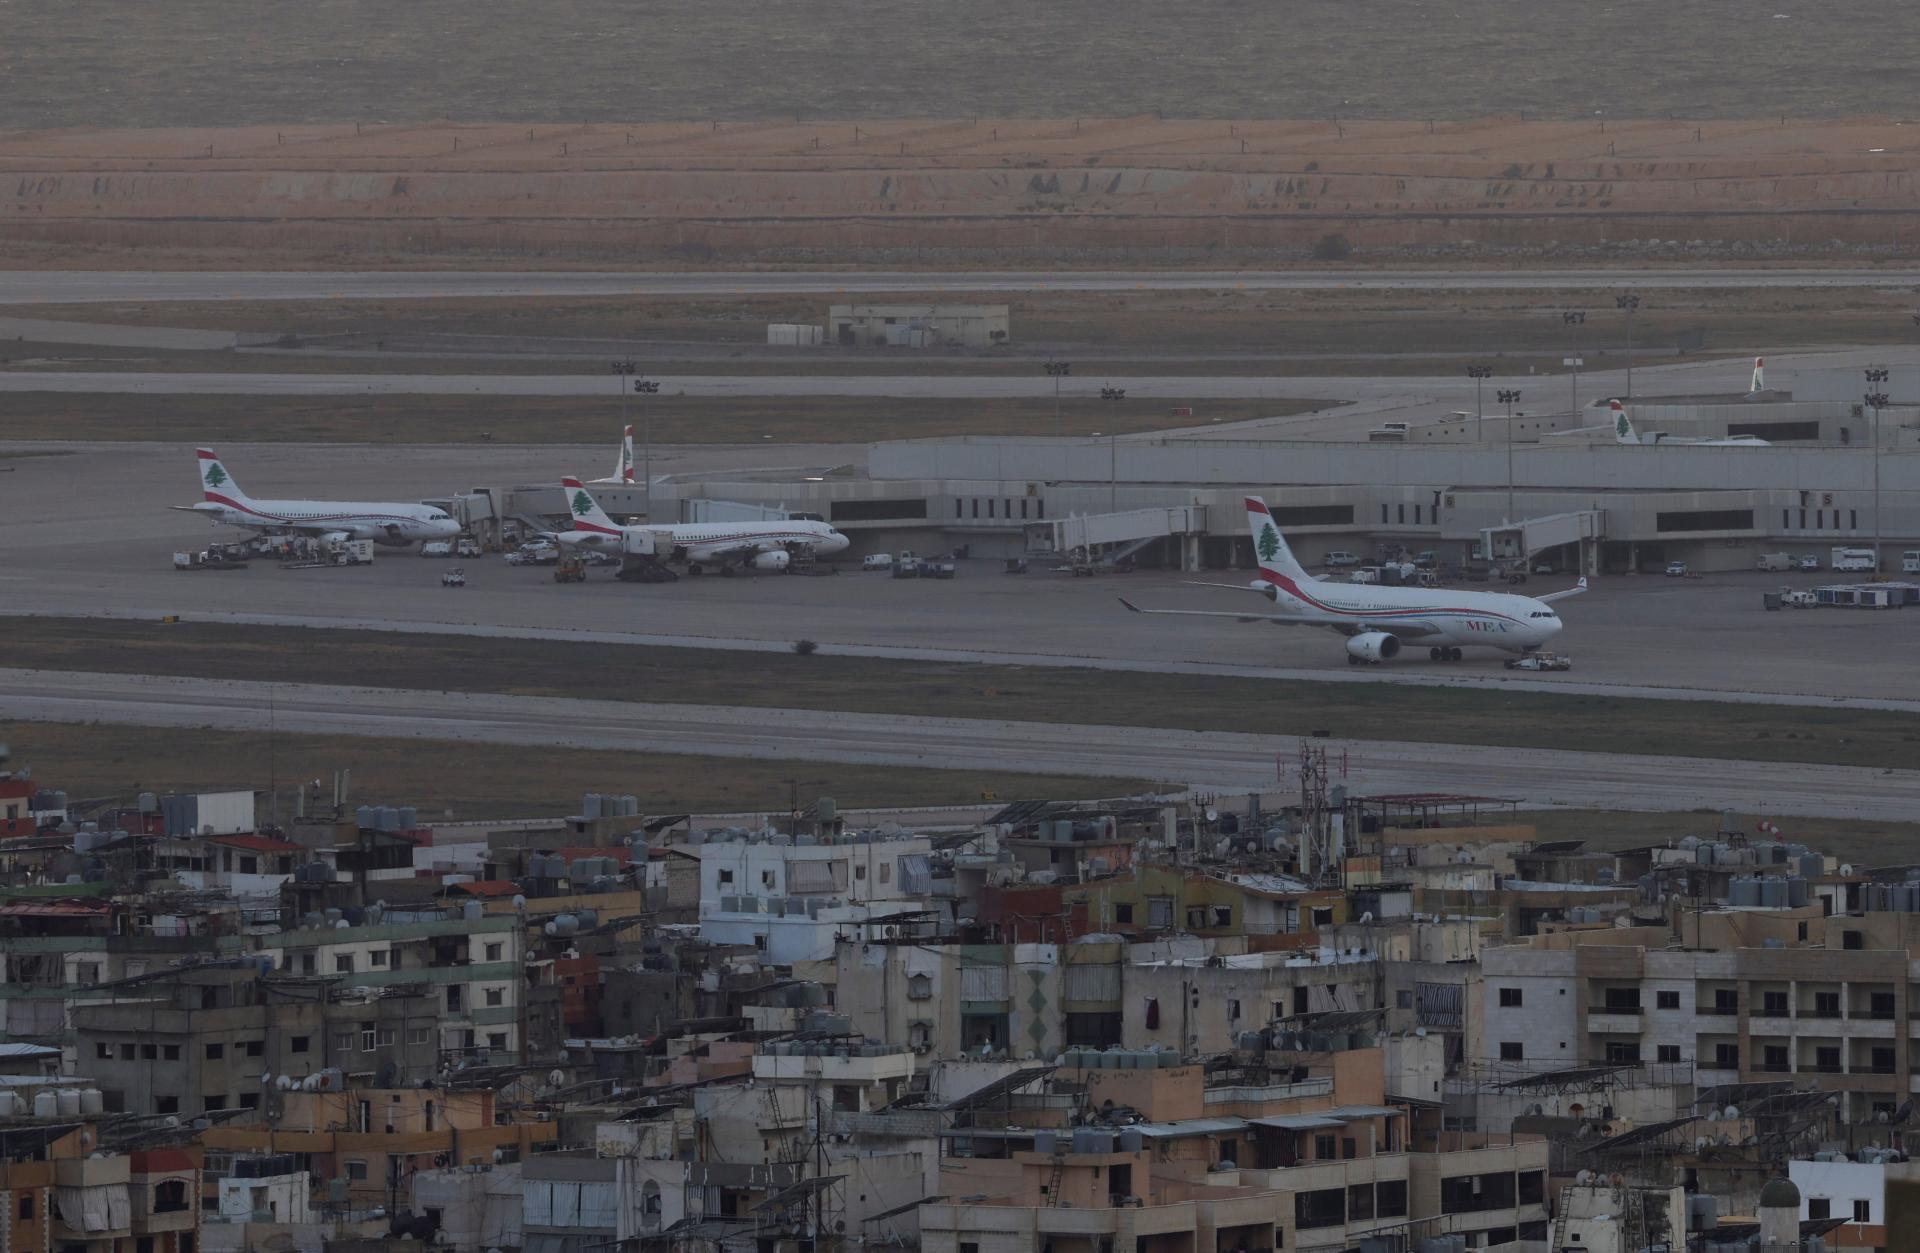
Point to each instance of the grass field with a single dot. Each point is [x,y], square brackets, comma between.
[580,420]
[964,690]
[1851,840]
[215,62]
[448,780]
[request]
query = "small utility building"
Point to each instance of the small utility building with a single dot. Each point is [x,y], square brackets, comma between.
[918,326]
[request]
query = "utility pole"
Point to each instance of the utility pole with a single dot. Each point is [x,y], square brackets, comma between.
[647,387]
[1059,370]
[1876,401]
[1574,318]
[1510,398]
[1479,374]
[1114,395]
[1629,302]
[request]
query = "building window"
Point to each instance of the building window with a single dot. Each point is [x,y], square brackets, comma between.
[496,996]
[103,1051]
[1383,514]
[1233,1011]
[726,878]
[1123,913]
[1401,516]
[959,508]
[1323,1148]
[1726,1056]
[1862,1211]
[216,1051]
[170,1053]
[1819,1207]
[1669,1053]
[1852,940]
[1623,1052]
[26,1207]
[126,1052]
[357,1170]
[378,957]
[213,1102]
[256,1048]
[1510,998]
[1773,1004]
[1853,519]
[384,1037]
[496,1039]
[416,1035]
[343,1041]
[298,1044]
[1390,1198]
[494,952]
[919,987]
[149,1052]
[1512,1051]
[166,1105]
[343,963]
[859,872]
[249,1100]
[1666,1000]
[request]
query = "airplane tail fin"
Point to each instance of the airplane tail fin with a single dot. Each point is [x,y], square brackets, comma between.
[1270,547]
[1623,432]
[586,513]
[1759,375]
[216,484]
[623,464]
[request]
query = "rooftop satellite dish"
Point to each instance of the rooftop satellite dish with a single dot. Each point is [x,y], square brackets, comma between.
[556,1077]
[1213,815]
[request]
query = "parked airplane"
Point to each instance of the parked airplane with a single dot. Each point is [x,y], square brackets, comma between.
[1378,620]
[622,462]
[1759,383]
[726,546]
[1623,433]
[383,522]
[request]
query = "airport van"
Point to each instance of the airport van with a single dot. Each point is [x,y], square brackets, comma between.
[1338,559]
[877,561]
[1910,561]
[1852,560]
[1776,562]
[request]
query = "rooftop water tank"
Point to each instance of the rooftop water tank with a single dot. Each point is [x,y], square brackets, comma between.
[590,805]
[46,1104]
[92,1101]
[69,1102]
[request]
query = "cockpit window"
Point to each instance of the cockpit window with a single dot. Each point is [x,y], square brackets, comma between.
[1541,613]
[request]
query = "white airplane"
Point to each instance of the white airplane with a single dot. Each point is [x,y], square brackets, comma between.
[622,462]
[1377,620]
[726,546]
[1759,383]
[1623,433]
[384,522]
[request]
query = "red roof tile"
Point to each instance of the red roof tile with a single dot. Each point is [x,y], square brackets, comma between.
[485,887]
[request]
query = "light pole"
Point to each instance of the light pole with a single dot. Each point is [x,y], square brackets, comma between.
[1876,401]
[1574,318]
[1629,302]
[647,387]
[1479,374]
[1115,395]
[1059,370]
[1509,398]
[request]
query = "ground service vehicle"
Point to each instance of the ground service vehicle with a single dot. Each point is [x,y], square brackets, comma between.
[877,561]
[467,547]
[1540,661]
[438,548]
[1676,569]
[1852,560]
[1338,559]
[1910,561]
[1775,562]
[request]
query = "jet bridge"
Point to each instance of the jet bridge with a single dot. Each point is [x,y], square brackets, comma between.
[1519,541]
[1116,536]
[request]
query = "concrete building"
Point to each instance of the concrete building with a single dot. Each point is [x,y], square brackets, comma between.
[918,326]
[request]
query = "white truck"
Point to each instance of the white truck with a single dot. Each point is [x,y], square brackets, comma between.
[1852,560]
[1776,563]
[1910,561]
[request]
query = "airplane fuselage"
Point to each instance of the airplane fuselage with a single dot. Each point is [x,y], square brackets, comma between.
[384,522]
[1486,619]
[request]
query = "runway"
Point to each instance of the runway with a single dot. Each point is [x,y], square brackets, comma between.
[97,286]
[1208,760]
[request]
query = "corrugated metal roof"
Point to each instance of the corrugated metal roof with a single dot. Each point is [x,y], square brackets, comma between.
[1361,1111]
[28,1050]
[256,843]
[1298,1122]
[1187,1127]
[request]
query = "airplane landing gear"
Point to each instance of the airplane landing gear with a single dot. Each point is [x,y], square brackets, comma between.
[1443,654]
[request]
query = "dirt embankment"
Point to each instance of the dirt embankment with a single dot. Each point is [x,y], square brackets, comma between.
[954,190]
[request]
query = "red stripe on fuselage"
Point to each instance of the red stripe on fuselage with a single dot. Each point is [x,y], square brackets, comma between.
[1292,589]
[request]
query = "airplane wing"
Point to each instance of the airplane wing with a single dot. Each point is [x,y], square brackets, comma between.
[1575,590]
[1403,628]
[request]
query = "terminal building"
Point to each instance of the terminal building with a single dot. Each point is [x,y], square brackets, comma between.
[1562,493]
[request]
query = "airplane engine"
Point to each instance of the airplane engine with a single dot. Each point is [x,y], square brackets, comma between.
[776,560]
[1372,647]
